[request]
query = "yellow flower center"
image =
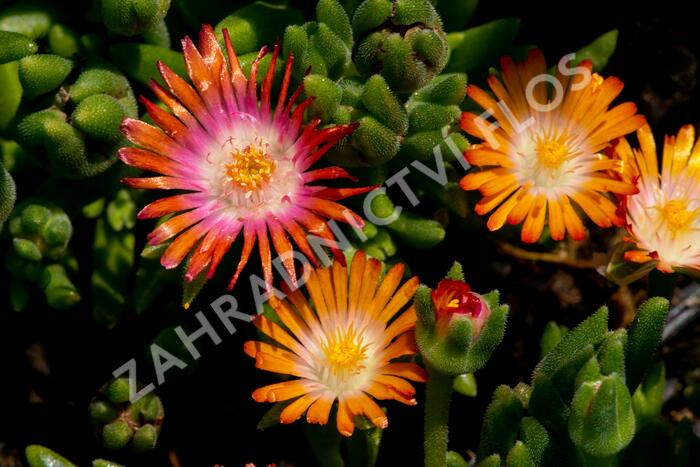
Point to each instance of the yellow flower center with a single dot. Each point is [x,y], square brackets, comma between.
[252,168]
[345,353]
[551,153]
[677,215]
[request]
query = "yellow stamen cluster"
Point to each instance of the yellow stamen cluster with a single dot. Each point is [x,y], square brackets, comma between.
[677,215]
[345,352]
[551,153]
[252,168]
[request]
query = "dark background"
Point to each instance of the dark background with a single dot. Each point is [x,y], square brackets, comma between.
[210,417]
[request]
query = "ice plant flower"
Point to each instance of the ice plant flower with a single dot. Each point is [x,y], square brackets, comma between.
[543,152]
[243,163]
[343,346]
[452,298]
[663,219]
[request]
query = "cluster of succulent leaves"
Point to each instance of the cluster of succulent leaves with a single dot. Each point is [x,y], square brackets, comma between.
[397,67]
[595,398]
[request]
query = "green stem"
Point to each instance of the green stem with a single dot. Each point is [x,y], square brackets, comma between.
[437,410]
[325,442]
[661,284]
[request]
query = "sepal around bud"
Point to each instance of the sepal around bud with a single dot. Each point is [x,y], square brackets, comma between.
[457,329]
[602,421]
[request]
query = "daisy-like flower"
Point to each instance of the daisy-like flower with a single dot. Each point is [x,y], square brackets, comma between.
[546,151]
[343,346]
[243,162]
[663,219]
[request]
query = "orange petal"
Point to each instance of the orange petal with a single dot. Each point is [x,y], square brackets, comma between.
[281,391]
[296,409]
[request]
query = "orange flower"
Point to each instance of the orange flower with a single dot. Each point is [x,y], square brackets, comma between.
[545,151]
[342,347]
[663,219]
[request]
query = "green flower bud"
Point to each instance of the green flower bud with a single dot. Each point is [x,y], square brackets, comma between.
[99,117]
[26,249]
[138,61]
[14,46]
[258,24]
[457,329]
[31,18]
[42,73]
[8,194]
[102,412]
[63,41]
[39,456]
[11,94]
[116,435]
[118,391]
[465,384]
[131,17]
[60,292]
[403,39]
[145,438]
[602,420]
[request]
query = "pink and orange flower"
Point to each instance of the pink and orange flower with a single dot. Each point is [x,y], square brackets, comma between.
[244,163]
[537,175]
[341,345]
[663,219]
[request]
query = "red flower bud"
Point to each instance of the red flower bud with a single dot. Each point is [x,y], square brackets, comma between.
[454,298]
